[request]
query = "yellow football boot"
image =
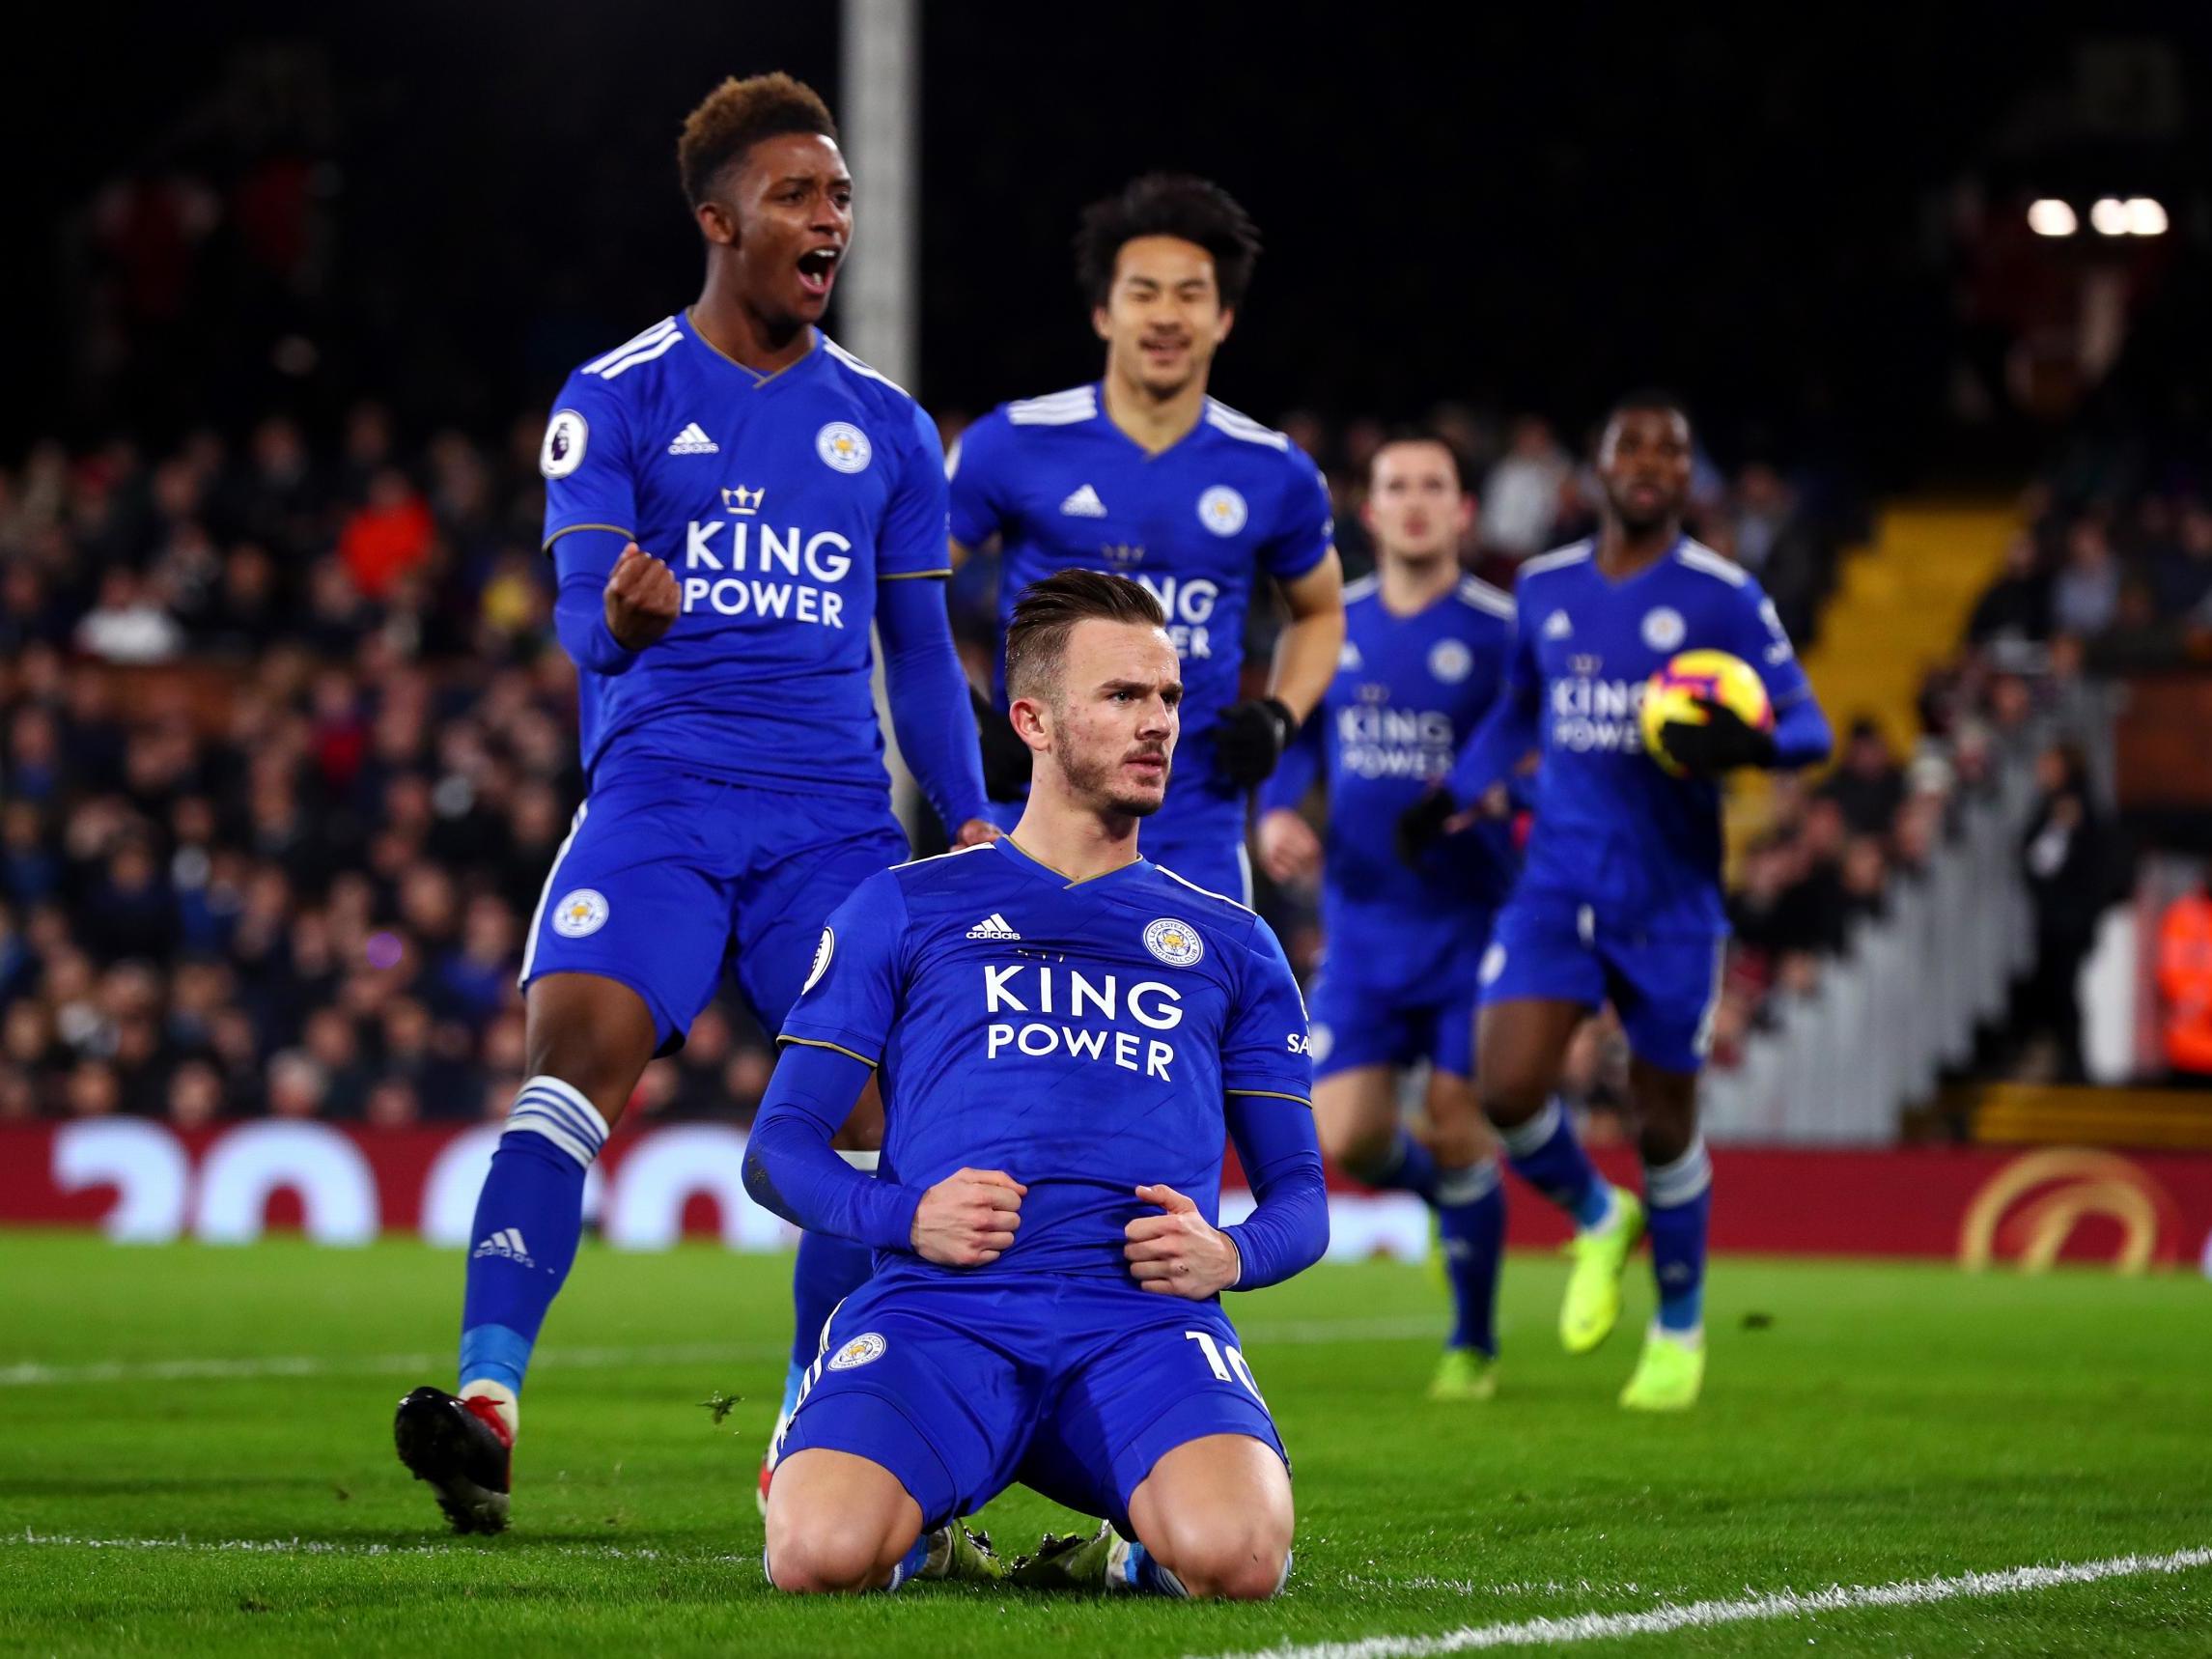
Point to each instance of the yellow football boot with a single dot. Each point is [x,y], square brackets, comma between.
[1669,1375]
[1592,1306]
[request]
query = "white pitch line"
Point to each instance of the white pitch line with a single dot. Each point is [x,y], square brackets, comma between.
[31,1374]
[1306,1333]
[1703,1614]
[341,1547]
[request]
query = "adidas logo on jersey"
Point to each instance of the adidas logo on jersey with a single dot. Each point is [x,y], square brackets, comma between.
[693,441]
[1084,504]
[1557,627]
[993,926]
[506,1242]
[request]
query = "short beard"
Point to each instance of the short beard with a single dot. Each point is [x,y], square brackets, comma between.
[1091,779]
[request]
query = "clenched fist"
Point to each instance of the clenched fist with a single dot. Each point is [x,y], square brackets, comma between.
[1289,849]
[640,599]
[968,1218]
[1178,1251]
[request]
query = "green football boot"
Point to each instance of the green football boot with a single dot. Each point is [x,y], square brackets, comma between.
[957,1554]
[1592,1306]
[1668,1374]
[1464,1374]
[1068,1562]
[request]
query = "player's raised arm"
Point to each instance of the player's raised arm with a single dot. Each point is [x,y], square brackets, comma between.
[927,690]
[1289,849]
[931,706]
[1252,735]
[613,600]
[977,511]
[1306,659]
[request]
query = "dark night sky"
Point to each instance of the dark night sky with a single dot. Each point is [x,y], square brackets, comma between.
[1538,207]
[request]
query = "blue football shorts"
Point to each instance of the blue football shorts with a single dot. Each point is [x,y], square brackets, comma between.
[1666,987]
[1073,1388]
[1351,1025]
[669,881]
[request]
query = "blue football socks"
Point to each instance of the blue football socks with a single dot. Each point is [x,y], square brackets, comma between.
[1470,1222]
[1546,1153]
[1404,1167]
[528,1218]
[1678,1206]
[912,1563]
[1130,1566]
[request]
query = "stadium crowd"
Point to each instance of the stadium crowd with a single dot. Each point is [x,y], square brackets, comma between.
[287,749]
[2112,575]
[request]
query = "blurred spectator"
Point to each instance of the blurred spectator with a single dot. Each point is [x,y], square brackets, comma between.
[332,1043]
[2086,595]
[126,624]
[1521,496]
[1868,786]
[195,1096]
[2015,609]
[1864,879]
[2181,569]
[2185,983]
[388,536]
[2067,854]
[296,1085]
[93,1090]
[1775,912]
[393,1105]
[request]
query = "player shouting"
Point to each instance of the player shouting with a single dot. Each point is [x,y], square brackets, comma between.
[1142,474]
[1062,1029]
[731,502]
[1423,656]
[1621,897]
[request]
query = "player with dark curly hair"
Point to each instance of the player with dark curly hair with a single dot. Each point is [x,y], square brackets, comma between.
[732,503]
[1143,474]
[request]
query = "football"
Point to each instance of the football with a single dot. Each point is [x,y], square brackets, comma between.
[1673,692]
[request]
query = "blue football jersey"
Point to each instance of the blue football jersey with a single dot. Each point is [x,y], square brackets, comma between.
[779,502]
[1064,488]
[1408,691]
[1078,1035]
[1612,828]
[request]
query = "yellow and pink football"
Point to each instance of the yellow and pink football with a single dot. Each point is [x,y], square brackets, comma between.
[1673,692]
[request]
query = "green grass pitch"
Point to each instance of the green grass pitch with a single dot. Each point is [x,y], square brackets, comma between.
[1863,1425]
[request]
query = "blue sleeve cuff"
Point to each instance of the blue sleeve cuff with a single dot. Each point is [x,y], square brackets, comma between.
[1801,733]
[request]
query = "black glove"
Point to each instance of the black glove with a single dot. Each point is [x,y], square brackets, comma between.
[1421,826]
[1006,758]
[1722,744]
[1249,738]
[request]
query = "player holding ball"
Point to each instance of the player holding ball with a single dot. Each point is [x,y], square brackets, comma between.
[1621,897]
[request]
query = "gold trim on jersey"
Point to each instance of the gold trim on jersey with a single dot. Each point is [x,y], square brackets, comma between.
[1273,1094]
[572,529]
[1072,881]
[813,339]
[840,1048]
